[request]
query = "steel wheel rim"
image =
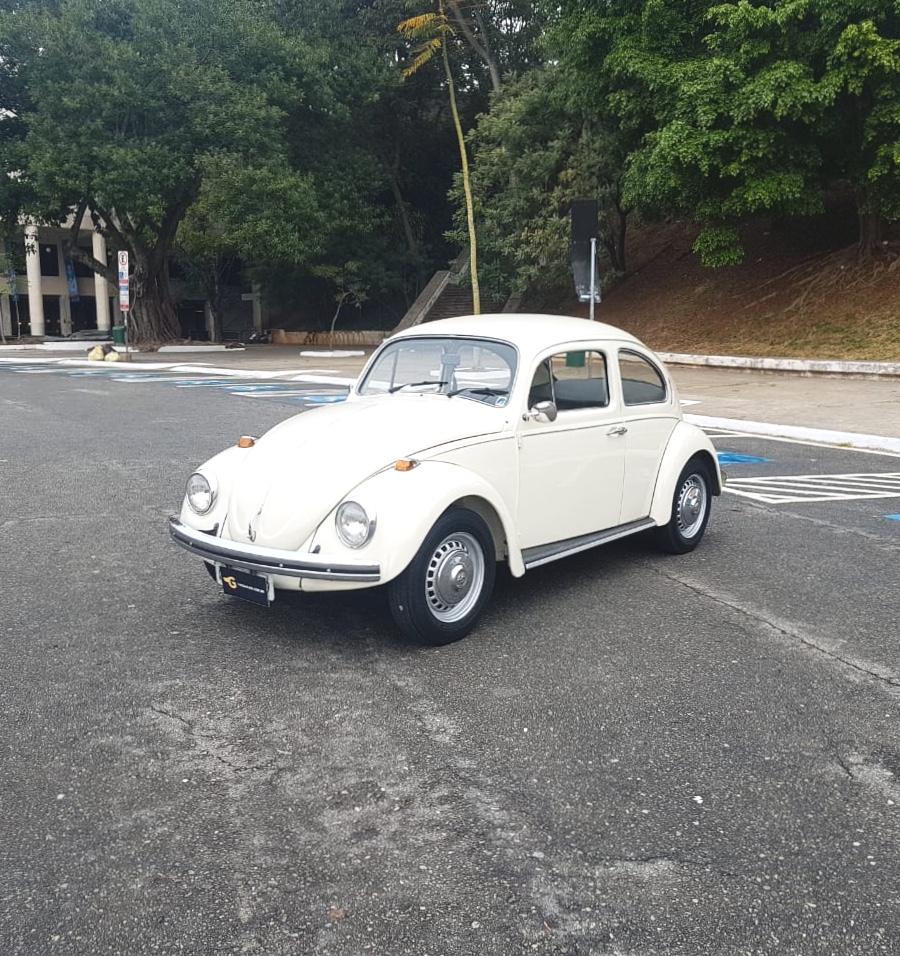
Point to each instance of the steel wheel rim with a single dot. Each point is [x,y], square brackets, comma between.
[454,578]
[690,509]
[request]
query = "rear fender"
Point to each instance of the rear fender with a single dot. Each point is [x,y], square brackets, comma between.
[686,442]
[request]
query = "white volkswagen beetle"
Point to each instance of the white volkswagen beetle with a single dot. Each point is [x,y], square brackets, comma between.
[521,438]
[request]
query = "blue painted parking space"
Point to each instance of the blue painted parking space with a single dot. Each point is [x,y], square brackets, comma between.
[288,391]
[733,458]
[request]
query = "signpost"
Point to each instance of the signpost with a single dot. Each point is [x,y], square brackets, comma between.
[585,227]
[124,292]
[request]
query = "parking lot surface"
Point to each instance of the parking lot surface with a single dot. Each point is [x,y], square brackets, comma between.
[632,754]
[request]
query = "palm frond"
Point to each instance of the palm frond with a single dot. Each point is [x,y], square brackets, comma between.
[423,55]
[425,25]
[417,26]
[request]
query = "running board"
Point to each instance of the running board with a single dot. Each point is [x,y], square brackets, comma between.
[545,553]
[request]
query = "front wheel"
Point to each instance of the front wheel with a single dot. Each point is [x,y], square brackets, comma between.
[438,598]
[690,510]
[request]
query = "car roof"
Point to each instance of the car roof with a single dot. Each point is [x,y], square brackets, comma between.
[529,331]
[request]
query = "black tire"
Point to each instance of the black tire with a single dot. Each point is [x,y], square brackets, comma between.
[690,510]
[438,598]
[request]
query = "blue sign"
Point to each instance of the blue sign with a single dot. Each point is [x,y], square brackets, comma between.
[71,281]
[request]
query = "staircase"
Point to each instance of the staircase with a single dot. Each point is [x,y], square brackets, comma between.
[444,297]
[457,300]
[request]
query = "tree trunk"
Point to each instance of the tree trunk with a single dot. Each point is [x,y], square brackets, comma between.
[412,244]
[481,46]
[870,231]
[153,317]
[467,185]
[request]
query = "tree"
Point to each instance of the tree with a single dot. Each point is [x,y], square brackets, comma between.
[504,35]
[783,100]
[592,48]
[129,102]
[434,30]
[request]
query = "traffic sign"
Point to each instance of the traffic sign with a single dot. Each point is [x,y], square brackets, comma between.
[124,297]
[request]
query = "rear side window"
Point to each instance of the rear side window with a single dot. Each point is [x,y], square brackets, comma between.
[642,381]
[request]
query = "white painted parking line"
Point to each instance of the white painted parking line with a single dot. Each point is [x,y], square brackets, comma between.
[798,488]
[818,436]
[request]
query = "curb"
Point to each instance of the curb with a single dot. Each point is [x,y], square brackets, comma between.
[817,436]
[797,366]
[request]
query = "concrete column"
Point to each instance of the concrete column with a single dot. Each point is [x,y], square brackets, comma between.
[33,270]
[6,314]
[210,323]
[101,286]
[257,307]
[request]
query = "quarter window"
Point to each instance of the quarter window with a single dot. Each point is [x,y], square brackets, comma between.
[571,380]
[642,382]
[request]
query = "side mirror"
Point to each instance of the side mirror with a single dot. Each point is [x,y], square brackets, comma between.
[544,412]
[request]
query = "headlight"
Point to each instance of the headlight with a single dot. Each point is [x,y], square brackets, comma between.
[354,525]
[200,492]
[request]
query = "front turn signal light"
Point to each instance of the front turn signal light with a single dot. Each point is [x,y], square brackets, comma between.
[405,464]
[246,441]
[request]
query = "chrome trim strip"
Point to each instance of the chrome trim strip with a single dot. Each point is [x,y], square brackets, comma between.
[250,557]
[545,553]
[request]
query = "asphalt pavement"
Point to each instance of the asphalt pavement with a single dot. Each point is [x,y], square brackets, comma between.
[634,754]
[856,404]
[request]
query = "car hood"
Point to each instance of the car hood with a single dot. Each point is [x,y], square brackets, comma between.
[301,469]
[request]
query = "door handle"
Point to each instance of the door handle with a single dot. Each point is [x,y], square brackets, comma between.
[617,430]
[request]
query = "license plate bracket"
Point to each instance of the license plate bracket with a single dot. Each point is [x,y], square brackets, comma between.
[246,586]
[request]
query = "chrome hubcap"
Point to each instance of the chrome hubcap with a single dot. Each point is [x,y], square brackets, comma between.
[455,576]
[691,506]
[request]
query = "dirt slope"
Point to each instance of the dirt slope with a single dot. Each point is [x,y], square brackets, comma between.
[800,293]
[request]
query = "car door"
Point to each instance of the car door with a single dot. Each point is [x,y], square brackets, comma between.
[570,469]
[649,414]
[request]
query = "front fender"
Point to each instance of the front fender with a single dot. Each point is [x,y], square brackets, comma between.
[685,442]
[406,504]
[222,468]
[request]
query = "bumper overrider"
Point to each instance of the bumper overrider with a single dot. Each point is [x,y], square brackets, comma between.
[250,557]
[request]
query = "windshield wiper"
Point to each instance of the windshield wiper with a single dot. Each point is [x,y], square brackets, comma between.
[480,390]
[431,381]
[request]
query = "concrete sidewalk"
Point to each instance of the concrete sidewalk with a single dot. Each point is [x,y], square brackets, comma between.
[855,404]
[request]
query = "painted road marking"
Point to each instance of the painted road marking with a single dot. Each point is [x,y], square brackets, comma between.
[733,458]
[293,389]
[893,517]
[797,488]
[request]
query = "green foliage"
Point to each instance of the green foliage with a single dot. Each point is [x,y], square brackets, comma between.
[131,104]
[719,247]
[280,135]
[521,149]
[783,100]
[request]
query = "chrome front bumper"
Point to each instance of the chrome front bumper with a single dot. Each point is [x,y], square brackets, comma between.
[249,557]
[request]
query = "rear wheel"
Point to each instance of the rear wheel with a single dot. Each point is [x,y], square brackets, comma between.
[690,509]
[438,598]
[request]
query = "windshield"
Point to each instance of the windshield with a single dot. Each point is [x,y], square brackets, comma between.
[478,369]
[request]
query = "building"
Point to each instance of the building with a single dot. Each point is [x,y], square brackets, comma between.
[56,297]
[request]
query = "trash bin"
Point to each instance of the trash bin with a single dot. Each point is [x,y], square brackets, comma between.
[118,334]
